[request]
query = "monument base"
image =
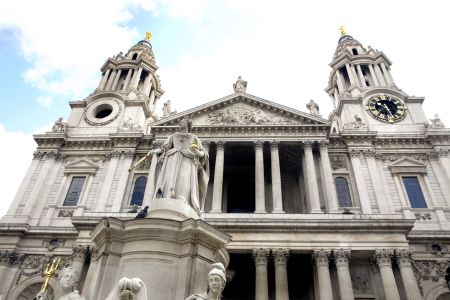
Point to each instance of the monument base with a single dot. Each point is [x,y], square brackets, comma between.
[172,209]
[171,257]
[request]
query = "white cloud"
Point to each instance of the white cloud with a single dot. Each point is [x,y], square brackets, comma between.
[15,157]
[45,101]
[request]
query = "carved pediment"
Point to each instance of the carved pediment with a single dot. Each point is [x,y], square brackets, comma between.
[81,166]
[407,165]
[243,109]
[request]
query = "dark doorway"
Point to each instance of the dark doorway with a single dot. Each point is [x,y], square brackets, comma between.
[242,285]
[300,277]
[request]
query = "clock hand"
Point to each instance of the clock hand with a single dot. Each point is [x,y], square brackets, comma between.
[387,108]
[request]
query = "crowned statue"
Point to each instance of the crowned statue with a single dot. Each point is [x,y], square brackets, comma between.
[216,284]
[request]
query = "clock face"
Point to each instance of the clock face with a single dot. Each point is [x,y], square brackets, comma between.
[386,108]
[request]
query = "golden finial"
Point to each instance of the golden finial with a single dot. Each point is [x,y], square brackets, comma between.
[49,272]
[342,30]
[148,35]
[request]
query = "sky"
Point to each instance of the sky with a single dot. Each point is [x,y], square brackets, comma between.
[51,53]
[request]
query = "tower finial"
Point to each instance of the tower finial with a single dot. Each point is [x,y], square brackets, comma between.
[342,30]
[148,35]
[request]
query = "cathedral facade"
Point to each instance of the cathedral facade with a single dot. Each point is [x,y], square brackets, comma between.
[356,206]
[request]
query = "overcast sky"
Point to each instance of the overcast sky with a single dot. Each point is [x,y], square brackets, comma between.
[51,53]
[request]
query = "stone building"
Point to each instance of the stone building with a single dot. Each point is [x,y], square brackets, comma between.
[356,206]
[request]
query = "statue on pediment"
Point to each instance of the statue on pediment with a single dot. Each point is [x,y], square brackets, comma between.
[59,125]
[313,108]
[436,122]
[240,86]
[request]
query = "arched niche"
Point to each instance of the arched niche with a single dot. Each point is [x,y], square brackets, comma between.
[29,288]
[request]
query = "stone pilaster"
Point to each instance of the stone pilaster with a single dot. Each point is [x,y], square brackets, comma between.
[383,257]
[261,284]
[341,257]
[330,197]
[276,178]
[102,84]
[383,198]
[360,184]
[404,262]
[373,75]
[281,280]
[79,253]
[321,258]
[218,179]
[311,178]
[260,202]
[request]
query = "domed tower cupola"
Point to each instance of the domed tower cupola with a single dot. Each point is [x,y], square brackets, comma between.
[356,69]
[133,75]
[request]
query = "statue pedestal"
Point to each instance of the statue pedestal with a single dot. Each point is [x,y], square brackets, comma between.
[171,257]
[172,209]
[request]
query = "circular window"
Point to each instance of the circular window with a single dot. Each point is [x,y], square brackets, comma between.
[435,248]
[102,111]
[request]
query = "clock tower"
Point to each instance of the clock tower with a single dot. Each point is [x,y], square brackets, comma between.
[364,94]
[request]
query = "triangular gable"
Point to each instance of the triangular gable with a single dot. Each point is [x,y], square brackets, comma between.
[81,166]
[407,165]
[243,109]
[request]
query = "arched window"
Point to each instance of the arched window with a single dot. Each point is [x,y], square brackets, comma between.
[138,191]
[354,51]
[134,56]
[343,192]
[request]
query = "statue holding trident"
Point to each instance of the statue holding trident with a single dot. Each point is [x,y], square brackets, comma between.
[49,272]
[180,169]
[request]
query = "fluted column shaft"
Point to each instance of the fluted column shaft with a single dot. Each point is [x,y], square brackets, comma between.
[260,202]
[330,197]
[116,80]
[111,80]
[341,257]
[104,79]
[323,274]
[408,278]
[383,258]
[261,283]
[361,76]
[127,80]
[311,178]
[218,179]
[360,183]
[281,280]
[373,75]
[137,77]
[276,178]
[350,74]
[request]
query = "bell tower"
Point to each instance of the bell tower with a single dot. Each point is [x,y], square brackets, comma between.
[126,94]
[363,91]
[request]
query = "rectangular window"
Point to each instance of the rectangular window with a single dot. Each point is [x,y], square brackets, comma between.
[76,186]
[414,192]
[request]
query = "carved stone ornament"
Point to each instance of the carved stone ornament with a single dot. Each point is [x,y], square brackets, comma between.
[357,124]
[394,157]
[403,257]
[260,255]
[422,216]
[280,255]
[313,108]
[341,256]
[429,270]
[241,114]
[91,116]
[338,162]
[436,248]
[34,264]
[130,125]
[383,257]
[65,213]
[321,256]
[59,125]
[240,86]
[360,283]
[53,243]
[436,122]
[11,258]
[80,251]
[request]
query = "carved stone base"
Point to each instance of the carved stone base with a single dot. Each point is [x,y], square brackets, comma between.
[171,257]
[171,209]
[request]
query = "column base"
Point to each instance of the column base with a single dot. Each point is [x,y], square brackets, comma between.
[260,212]
[278,212]
[316,211]
[215,211]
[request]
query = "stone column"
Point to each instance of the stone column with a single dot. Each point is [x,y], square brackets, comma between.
[339,81]
[276,178]
[218,179]
[116,80]
[404,259]
[387,75]
[261,283]
[260,202]
[373,75]
[341,257]
[323,274]
[361,76]
[79,256]
[104,79]
[281,280]
[111,80]
[350,74]
[147,85]
[127,80]
[383,258]
[360,183]
[330,197]
[430,191]
[383,199]
[122,169]
[9,267]
[136,78]
[312,178]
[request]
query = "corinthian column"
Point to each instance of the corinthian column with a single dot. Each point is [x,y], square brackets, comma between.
[261,285]
[79,256]
[323,274]
[383,258]
[276,178]
[312,178]
[403,257]
[218,179]
[341,257]
[330,197]
[281,280]
[260,202]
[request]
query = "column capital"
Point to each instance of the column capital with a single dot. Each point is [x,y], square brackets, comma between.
[206,144]
[323,144]
[274,144]
[260,255]
[80,251]
[307,144]
[354,152]
[341,256]
[281,255]
[383,257]
[220,145]
[259,144]
[321,256]
[403,257]
[369,152]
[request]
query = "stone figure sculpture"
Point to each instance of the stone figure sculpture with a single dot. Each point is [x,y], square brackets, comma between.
[68,282]
[216,284]
[183,168]
[128,289]
[59,125]
[436,122]
[240,85]
[313,108]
